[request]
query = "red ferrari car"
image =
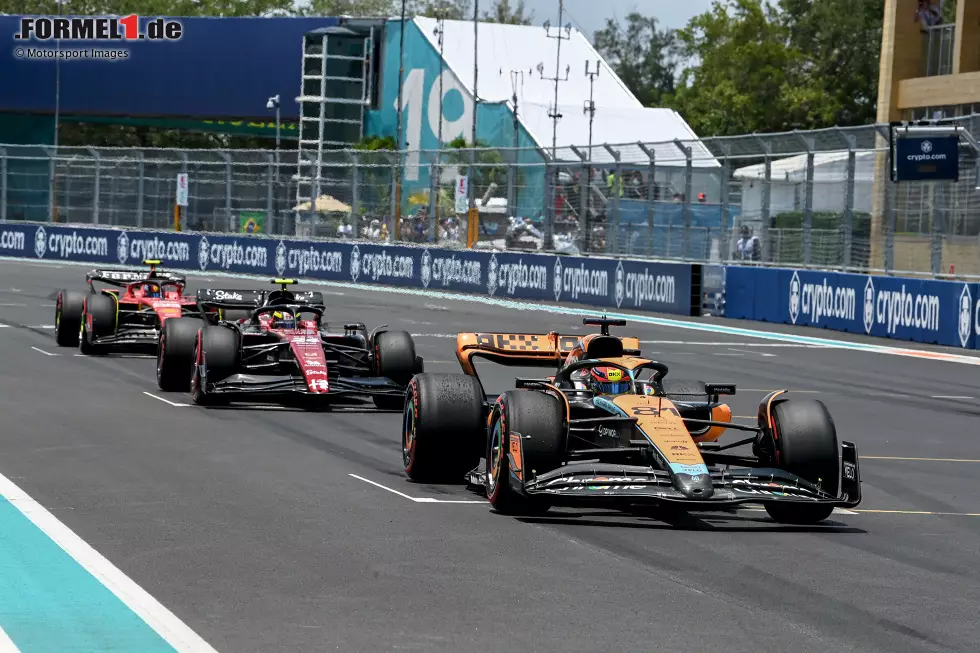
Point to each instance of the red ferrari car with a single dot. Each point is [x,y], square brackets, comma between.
[128,316]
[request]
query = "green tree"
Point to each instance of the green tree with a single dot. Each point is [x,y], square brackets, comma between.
[644,57]
[502,11]
[446,9]
[744,78]
[839,43]
[357,8]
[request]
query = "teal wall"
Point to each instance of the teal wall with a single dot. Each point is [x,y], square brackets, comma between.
[420,118]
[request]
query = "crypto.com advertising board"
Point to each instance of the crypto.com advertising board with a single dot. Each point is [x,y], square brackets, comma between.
[920,310]
[607,283]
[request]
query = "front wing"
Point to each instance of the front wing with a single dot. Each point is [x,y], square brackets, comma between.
[265,387]
[588,484]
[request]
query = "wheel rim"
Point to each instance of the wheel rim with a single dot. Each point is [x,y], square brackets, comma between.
[495,457]
[408,444]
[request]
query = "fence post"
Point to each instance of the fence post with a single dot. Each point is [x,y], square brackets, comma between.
[270,210]
[393,210]
[98,179]
[726,193]
[173,198]
[849,197]
[3,184]
[889,224]
[940,199]
[614,191]
[808,143]
[688,189]
[583,200]
[355,200]
[434,192]
[139,191]
[651,194]
[52,185]
[767,252]
[227,158]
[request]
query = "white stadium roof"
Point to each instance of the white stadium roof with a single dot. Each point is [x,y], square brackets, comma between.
[619,119]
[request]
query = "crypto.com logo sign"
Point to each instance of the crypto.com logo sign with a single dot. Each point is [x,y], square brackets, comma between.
[114,28]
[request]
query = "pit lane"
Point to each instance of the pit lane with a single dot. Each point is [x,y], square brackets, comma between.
[271,529]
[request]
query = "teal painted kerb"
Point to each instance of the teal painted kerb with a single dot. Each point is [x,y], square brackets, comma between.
[494,121]
[50,604]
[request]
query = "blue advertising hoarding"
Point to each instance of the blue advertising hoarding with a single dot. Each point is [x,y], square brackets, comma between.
[926,159]
[605,283]
[920,310]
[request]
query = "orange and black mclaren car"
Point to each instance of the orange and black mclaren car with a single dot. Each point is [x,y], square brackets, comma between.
[564,440]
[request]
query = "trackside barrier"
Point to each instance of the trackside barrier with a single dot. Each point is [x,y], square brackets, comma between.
[920,310]
[638,285]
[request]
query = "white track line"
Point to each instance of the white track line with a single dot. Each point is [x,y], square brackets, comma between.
[165,623]
[166,401]
[46,353]
[6,644]
[950,397]
[410,498]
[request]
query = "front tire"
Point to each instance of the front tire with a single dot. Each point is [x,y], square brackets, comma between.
[175,353]
[806,445]
[98,320]
[443,432]
[217,352]
[537,421]
[68,318]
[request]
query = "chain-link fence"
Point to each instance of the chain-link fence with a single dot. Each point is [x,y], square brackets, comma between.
[818,199]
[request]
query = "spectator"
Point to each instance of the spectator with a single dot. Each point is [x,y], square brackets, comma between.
[748,247]
[701,198]
[929,12]
[611,184]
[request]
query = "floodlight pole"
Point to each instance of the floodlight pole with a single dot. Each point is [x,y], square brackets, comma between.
[440,34]
[555,115]
[471,187]
[397,230]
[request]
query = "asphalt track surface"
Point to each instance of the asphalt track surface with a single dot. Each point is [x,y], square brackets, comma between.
[270,529]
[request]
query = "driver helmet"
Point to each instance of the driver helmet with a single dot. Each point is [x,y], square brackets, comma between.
[151,290]
[283,320]
[609,381]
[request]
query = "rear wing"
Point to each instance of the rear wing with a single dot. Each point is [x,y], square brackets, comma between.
[122,277]
[523,349]
[230,299]
[304,298]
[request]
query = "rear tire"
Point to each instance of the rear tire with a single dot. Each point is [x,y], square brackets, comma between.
[68,318]
[102,311]
[443,432]
[806,445]
[217,349]
[538,420]
[395,352]
[175,353]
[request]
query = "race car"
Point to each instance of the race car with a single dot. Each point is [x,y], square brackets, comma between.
[127,317]
[281,350]
[608,430]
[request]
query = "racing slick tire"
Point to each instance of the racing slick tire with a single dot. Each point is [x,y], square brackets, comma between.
[102,310]
[538,420]
[218,348]
[68,318]
[175,353]
[396,360]
[443,431]
[806,442]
